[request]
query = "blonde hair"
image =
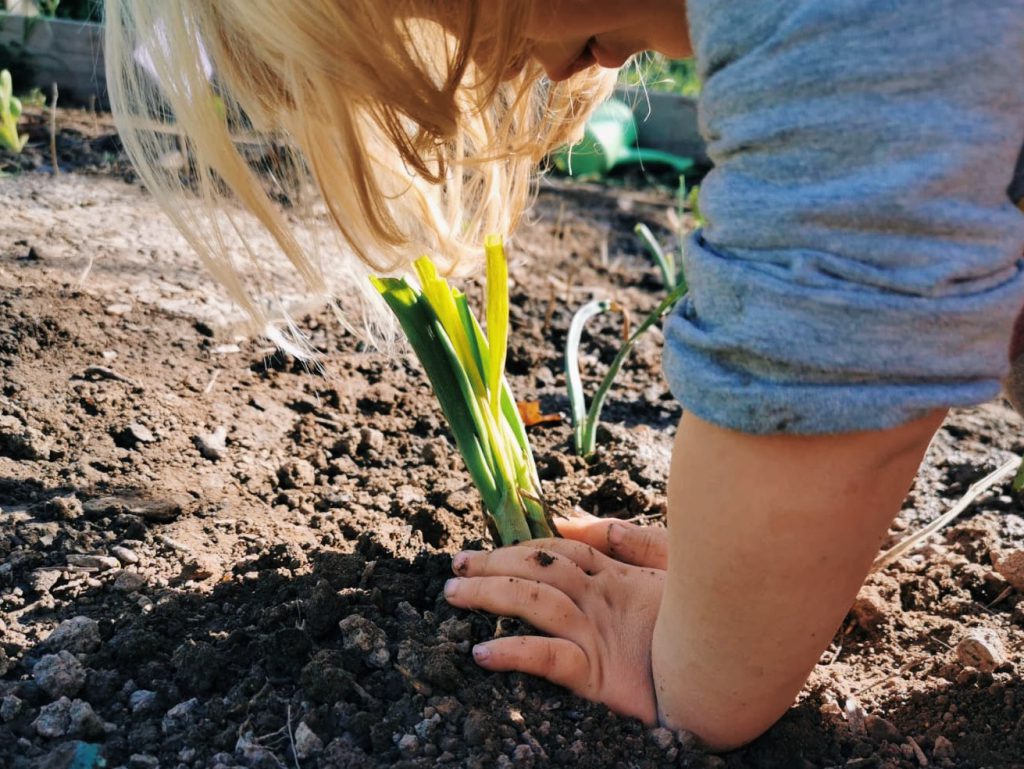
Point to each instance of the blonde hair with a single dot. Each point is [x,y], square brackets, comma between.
[401,134]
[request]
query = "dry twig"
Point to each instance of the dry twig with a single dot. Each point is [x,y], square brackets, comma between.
[909,543]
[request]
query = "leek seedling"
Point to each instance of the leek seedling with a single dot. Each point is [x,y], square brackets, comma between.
[466,370]
[584,420]
[10,111]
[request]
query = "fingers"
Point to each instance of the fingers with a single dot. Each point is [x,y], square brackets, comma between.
[533,563]
[624,541]
[559,661]
[543,606]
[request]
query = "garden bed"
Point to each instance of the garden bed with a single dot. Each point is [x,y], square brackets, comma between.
[259,550]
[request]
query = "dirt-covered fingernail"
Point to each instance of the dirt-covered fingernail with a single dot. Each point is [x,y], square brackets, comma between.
[616,534]
[451,587]
[481,653]
[459,562]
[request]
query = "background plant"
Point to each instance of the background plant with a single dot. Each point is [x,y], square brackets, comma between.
[10,111]
[584,419]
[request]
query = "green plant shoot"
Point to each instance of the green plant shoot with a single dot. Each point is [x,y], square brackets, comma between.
[10,111]
[466,369]
[585,420]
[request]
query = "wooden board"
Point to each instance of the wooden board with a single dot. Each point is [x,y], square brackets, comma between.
[68,53]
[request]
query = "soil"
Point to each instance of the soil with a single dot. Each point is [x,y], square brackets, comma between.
[243,558]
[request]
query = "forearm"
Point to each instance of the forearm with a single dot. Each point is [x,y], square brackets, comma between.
[770,537]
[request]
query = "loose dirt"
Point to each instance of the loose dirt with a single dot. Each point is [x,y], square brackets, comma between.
[212,556]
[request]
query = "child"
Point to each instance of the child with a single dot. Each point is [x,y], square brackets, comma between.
[859,273]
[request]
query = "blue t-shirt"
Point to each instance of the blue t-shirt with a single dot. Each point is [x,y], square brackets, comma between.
[861,263]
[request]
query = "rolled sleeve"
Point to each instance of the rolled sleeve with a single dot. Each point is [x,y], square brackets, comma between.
[861,259]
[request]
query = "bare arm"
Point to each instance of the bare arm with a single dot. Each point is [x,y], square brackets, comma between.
[770,537]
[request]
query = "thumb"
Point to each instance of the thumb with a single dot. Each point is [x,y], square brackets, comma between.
[638,545]
[624,541]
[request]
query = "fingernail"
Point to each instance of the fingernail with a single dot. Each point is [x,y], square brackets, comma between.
[616,534]
[450,587]
[459,562]
[481,653]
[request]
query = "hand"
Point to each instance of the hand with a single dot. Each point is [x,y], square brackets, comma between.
[598,612]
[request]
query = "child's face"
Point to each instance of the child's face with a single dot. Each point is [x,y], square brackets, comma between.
[570,35]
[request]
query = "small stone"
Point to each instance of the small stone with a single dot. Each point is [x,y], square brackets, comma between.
[59,675]
[1010,565]
[142,701]
[477,727]
[64,508]
[870,609]
[143,761]
[134,434]
[118,309]
[129,582]
[125,555]
[943,749]
[212,446]
[882,730]
[93,562]
[296,474]
[5,662]
[662,737]
[10,708]
[981,649]
[42,580]
[360,633]
[371,439]
[226,349]
[54,719]
[84,721]
[178,717]
[409,745]
[306,742]
[78,634]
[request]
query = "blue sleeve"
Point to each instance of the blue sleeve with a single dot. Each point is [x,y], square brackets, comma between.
[861,262]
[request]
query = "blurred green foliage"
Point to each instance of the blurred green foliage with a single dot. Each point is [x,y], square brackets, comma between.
[659,73]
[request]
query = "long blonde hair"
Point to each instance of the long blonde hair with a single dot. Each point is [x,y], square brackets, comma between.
[399,133]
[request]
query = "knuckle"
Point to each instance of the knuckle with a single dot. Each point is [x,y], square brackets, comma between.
[549,662]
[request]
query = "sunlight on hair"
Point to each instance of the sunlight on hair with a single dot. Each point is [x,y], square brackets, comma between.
[361,135]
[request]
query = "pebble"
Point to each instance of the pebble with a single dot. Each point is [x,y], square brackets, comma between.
[142,701]
[78,634]
[93,562]
[870,609]
[125,555]
[84,721]
[129,582]
[143,761]
[371,439]
[212,446]
[981,649]
[10,708]
[118,309]
[306,742]
[54,719]
[662,737]
[409,745]
[296,474]
[178,716]
[65,508]
[943,748]
[882,730]
[361,634]
[135,433]
[1010,565]
[5,662]
[44,579]
[59,675]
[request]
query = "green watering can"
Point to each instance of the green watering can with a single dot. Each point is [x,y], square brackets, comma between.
[609,140]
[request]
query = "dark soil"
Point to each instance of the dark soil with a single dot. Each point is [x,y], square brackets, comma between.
[245,558]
